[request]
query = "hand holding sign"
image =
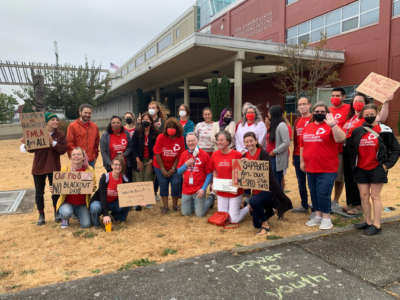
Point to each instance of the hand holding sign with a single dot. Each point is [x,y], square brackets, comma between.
[378,87]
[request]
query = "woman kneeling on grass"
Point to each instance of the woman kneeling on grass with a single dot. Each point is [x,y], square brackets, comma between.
[373,149]
[106,197]
[262,203]
[68,205]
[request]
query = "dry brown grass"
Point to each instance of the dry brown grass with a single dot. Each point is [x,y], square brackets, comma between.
[32,256]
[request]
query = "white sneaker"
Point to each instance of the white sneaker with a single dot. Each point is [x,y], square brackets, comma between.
[326,224]
[314,221]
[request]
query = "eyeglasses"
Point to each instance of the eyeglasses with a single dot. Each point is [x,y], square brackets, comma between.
[320,111]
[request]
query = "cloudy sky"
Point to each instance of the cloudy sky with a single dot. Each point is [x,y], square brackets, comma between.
[103,30]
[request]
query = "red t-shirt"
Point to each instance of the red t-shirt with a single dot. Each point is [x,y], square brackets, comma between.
[368,149]
[112,192]
[146,153]
[300,124]
[131,131]
[340,114]
[76,199]
[352,124]
[183,123]
[269,145]
[256,156]
[118,143]
[198,172]
[320,151]
[169,150]
[222,165]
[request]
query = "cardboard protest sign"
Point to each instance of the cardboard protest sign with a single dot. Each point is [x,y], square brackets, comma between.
[72,183]
[378,87]
[136,193]
[35,130]
[250,174]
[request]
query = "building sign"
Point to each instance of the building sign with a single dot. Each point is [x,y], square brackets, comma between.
[255,26]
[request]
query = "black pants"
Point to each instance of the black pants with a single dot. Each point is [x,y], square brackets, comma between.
[40,183]
[352,192]
[262,208]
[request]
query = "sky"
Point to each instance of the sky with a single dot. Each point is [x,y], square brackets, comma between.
[104,31]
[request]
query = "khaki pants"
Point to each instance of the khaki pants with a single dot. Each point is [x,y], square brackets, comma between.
[147,173]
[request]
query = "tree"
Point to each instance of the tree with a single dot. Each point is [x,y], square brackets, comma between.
[219,93]
[301,77]
[7,107]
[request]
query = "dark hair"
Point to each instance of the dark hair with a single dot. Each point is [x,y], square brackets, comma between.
[318,104]
[276,113]
[253,135]
[206,108]
[186,108]
[222,115]
[369,106]
[339,89]
[352,111]
[139,126]
[173,123]
[109,128]
[85,105]
[226,134]
[121,160]
[301,97]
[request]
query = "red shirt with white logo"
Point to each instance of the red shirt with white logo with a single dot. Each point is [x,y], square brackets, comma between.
[76,199]
[320,151]
[298,130]
[222,164]
[256,156]
[198,172]
[118,144]
[112,192]
[340,114]
[368,149]
[352,124]
[169,150]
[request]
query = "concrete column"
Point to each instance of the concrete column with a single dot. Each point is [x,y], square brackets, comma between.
[237,106]
[186,92]
[158,94]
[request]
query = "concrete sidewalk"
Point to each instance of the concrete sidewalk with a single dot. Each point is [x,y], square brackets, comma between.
[345,265]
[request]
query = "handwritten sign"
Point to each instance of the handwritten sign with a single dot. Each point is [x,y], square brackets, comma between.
[378,87]
[251,174]
[136,193]
[72,183]
[35,130]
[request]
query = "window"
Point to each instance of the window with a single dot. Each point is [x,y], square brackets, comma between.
[131,67]
[352,16]
[288,2]
[139,60]
[151,52]
[396,8]
[165,42]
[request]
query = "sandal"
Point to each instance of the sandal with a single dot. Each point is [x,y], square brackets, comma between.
[264,230]
[354,212]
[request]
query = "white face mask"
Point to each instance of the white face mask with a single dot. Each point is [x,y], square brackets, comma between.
[152,111]
[182,113]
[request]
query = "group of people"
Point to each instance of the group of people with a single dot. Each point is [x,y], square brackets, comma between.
[185,161]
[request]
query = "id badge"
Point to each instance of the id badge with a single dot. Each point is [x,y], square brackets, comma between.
[191,179]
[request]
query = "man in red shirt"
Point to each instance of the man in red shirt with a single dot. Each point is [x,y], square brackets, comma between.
[194,164]
[303,106]
[340,111]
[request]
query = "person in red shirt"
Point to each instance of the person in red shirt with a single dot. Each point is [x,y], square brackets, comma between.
[194,165]
[106,197]
[373,149]
[115,140]
[319,158]
[221,165]
[167,151]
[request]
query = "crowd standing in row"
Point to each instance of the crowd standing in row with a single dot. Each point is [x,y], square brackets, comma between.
[341,144]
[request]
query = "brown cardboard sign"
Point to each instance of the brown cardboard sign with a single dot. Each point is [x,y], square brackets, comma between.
[250,174]
[72,183]
[378,87]
[35,131]
[136,193]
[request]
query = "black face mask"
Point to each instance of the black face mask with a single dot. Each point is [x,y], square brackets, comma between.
[370,120]
[145,124]
[319,117]
[227,120]
[128,121]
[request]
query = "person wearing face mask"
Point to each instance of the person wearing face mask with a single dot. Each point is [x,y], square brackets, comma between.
[167,151]
[155,111]
[373,149]
[187,124]
[319,158]
[225,123]
[115,140]
[130,123]
[251,122]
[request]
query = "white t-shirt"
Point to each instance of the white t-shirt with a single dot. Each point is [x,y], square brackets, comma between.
[259,130]
[204,132]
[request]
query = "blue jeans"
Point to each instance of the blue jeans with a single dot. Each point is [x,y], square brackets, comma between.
[262,208]
[119,213]
[164,182]
[321,185]
[301,181]
[277,174]
[66,211]
[191,203]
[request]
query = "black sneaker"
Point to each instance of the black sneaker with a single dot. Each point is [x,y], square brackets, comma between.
[361,226]
[41,220]
[372,230]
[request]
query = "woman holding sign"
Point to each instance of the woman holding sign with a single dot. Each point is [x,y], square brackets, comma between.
[229,197]
[45,162]
[262,203]
[106,197]
[76,204]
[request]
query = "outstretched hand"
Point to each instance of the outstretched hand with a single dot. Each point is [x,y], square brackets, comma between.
[330,120]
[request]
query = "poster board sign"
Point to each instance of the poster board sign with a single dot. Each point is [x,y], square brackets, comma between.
[136,193]
[224,185]
[72,183]
[378,87]
[34,129]
[250,174]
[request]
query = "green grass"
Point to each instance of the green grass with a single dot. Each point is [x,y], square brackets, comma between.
[96,271]
[136,263]
[168,251]
[238,245]
[26,272]
[89,235]
[78,233]
[339,222]
[160,235]
[4,274]
[274,237]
